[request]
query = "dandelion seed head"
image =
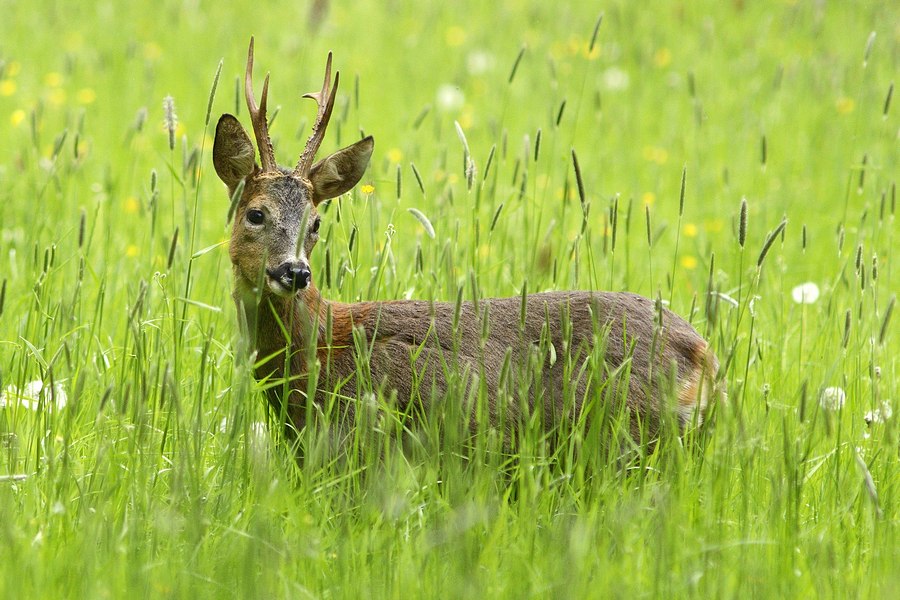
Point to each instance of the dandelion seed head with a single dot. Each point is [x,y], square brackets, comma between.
[805,293]
[832,398]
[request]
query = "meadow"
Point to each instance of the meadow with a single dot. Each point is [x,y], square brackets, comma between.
[137,454]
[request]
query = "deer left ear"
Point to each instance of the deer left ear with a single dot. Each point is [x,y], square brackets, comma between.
[339,172]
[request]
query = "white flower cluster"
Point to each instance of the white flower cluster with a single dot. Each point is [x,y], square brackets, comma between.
[29,396]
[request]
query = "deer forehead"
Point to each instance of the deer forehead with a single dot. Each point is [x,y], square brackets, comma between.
[283,193]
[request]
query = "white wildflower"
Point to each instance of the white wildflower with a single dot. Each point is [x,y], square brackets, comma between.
[259,430]
[805,293]
[479,62]
[258,442]
[615,79]
[832,398]
[880,414]
[29,396]
[450,98]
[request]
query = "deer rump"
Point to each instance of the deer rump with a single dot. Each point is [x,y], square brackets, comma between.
[570,357]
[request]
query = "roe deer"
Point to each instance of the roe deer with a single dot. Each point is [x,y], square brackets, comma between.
[402,345]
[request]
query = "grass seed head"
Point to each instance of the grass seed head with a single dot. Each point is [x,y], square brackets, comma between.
[171,119]
[742,225]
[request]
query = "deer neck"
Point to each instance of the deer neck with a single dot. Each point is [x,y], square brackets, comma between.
[267,318]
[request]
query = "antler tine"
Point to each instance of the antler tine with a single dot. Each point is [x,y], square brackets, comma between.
[258,116]
[325,100]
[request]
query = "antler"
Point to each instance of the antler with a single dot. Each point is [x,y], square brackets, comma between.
[325,100]
[258,116]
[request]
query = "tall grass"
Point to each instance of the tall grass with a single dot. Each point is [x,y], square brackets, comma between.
[554,151]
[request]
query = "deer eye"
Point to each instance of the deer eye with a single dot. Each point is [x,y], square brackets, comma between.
[255,216]
[314,228]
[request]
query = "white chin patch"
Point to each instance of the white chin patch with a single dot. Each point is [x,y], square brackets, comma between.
[278,289]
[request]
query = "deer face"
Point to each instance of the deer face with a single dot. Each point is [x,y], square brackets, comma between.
[276,223]
[274,231]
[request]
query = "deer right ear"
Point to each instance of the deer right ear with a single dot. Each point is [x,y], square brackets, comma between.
[233,154]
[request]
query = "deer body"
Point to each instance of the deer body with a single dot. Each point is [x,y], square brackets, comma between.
[408,343]
[533,353]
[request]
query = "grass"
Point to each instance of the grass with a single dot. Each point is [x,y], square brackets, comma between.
[163,474]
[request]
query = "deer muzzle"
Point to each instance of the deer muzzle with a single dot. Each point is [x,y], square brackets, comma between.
[289,277]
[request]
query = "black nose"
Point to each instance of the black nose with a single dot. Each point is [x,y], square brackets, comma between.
[300,277]
[292,276]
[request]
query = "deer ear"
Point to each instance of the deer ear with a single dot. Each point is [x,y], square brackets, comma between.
[233,154]
[339,172]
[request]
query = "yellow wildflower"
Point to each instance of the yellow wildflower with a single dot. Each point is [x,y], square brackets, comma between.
[86,96]
[455,36]
[713,225]
[689,262]
[56,96]
[17,117]
[7,87]
[53,79]
[656,154]
[845,106]
[662,57]
[152,51]
[367,189]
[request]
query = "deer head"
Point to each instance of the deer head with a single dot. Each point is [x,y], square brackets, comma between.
[275,221]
